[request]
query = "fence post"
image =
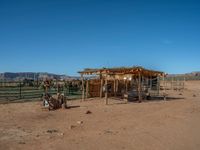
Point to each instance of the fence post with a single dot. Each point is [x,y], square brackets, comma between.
[158,85]
[20,90]
[139,88]
[106,90]
[83,88]
[151,84]
[69,91]
[87,88]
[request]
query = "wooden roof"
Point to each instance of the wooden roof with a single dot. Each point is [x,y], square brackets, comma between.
[121,71]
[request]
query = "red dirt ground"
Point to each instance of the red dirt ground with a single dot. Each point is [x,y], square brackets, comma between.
[154,125]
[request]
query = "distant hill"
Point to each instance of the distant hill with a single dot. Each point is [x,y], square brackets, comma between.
[10,76]
[196,73]
[188,76]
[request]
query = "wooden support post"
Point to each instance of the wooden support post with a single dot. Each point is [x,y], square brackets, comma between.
[142,83]
[158,85]
[20,90]
[106,91]
[164,88]
[101,88]
[163,83]
[124,86]
[177,84]
[151,82]
[126,83]
[115,88]
[83,88]
[147,81]
[57,85]
[139,89]
[117,85]
[87,88]
[37,82]
[172,84]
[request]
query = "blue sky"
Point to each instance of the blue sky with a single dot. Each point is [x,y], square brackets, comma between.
[65,36]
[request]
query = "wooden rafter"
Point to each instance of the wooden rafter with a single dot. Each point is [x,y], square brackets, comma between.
[121,71]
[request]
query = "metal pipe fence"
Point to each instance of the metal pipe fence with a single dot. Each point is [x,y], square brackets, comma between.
[11,91]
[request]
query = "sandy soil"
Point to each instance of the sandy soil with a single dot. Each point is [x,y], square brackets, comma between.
[154,125]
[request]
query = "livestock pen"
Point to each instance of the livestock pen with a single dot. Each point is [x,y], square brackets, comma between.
[11,91]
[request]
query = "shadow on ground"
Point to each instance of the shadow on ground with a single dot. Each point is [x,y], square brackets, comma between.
[149,100]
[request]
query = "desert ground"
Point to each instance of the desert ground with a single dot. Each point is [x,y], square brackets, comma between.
[173,124]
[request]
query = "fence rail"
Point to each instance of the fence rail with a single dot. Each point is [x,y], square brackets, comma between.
[10,91]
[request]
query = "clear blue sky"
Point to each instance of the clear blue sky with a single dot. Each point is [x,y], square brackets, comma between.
[65,36]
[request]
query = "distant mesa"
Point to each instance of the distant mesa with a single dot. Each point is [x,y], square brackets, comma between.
[18,76]
[197,73]
[192,74]
[187,76]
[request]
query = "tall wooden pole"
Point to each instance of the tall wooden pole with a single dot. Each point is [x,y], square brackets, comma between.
[164,83]
[101,86]
[87,88]
[20,90]
[117,84]
[151,80]
[177,84]
[139,89]
[126,83]
[106,91]
[57,85]
[114,87]
[184,83]
[83,88]
[164,86]
[158,85]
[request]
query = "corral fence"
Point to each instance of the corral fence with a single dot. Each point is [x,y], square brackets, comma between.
[28,90]
[173,83]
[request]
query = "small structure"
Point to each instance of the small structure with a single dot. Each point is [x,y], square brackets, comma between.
[124,82]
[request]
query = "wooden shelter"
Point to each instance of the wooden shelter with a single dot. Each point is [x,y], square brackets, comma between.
[119,82]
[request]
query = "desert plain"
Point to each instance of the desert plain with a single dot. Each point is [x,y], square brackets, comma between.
[173,124]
